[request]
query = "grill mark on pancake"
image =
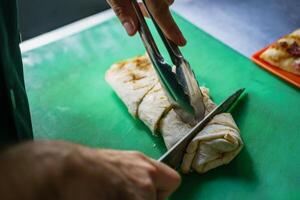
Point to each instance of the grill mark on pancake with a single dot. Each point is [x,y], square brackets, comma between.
[142,63]
[134,78]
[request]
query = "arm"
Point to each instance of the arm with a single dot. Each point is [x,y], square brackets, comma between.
[61,170]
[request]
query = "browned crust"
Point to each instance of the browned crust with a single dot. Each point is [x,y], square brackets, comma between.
[287,50]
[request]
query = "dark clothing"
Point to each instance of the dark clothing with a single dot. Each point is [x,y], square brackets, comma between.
[15,123]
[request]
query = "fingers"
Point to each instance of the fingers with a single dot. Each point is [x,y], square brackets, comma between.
[160,11]
[166,180]
[125,12]
[148,178]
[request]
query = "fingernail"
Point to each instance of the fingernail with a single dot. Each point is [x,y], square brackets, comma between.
[129,27]
[183,41]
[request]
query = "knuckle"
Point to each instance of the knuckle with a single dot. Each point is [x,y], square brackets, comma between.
[147,185]
[119,11]
[70,161]
[138,154]
[73,159]
[159,8]
[151,170]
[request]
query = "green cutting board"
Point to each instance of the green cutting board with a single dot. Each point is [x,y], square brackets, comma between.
[70,100]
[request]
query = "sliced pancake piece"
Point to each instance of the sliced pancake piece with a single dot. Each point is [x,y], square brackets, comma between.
[209,104]
[132,79]
[172,128]
[217,144]
[153,106]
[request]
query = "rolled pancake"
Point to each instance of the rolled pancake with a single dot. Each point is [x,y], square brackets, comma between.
[217,144]
[132,79]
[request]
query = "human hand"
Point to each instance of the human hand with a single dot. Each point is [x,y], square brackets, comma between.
[160,11]
[61,170]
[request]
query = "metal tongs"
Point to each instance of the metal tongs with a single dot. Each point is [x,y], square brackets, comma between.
[180,86]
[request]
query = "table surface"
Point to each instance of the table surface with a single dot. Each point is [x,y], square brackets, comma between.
[70,100]
[244,25]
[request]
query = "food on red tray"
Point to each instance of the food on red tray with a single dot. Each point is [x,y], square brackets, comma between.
[285,53]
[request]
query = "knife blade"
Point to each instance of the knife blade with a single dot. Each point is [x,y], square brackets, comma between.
[175,154]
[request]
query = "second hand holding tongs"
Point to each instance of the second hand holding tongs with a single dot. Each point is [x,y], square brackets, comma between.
[181,86]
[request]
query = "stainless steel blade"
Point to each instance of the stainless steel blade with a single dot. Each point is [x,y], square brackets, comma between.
[174,155]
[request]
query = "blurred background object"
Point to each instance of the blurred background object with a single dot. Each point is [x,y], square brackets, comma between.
[38,17]
[244,25]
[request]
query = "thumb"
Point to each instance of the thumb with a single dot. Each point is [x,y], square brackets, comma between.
[125,12]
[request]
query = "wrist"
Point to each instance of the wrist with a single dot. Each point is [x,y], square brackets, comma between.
[27,173]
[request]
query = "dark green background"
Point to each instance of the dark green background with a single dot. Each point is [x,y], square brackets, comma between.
[70,100]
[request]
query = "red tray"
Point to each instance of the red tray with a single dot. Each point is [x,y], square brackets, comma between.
[287,76]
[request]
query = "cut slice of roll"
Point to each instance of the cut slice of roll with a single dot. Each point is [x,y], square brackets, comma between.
[132,79]
[153,106]
[135,82]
